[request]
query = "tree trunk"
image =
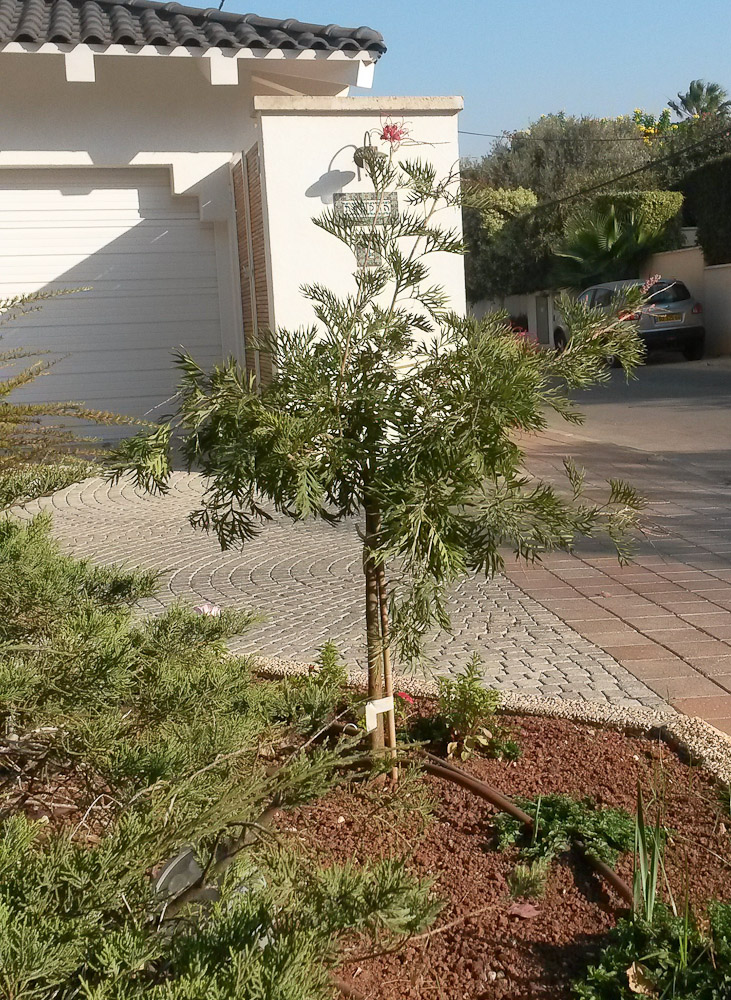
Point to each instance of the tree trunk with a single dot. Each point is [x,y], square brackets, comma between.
[373,623]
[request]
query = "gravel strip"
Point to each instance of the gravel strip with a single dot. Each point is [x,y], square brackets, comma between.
[696,738]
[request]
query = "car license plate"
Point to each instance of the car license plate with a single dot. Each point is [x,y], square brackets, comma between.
[669,318]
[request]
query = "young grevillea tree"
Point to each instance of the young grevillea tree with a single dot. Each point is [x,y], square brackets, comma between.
[399,413]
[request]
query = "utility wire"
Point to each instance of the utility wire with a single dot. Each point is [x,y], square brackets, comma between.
[535,138]
[632,173]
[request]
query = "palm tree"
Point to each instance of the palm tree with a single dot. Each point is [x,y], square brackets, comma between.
[701,98]
[606,245]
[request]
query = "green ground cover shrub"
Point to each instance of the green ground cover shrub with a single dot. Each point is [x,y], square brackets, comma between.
[18,486]
[671,958]
[171,749]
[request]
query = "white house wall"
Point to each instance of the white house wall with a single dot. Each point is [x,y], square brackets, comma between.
[307,146]
[136,113]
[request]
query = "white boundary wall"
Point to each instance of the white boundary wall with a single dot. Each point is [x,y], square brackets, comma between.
[711,285]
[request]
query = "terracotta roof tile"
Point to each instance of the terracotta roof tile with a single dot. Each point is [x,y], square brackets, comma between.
[144,22]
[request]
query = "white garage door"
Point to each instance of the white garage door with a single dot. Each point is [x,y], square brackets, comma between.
[150,267]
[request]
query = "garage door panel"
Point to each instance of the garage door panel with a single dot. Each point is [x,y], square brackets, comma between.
[159,239]
[148,293]
[151,265]
[102,314]
[98,363]
[136,391]
[108,266]
[101,378]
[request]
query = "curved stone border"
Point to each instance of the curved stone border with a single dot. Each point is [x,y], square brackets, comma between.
[701,742]
[306,579]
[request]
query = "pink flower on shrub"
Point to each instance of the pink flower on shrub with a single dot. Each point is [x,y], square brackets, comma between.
[405,697]
[394,132]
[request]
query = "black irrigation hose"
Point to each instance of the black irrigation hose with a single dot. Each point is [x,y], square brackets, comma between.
[480,788]
[447,771]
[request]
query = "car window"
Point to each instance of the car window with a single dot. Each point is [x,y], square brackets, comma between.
[585,297]
[663,293]
[602,297]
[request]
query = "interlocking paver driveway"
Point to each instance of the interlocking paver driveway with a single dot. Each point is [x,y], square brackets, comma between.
[306,579]
[667,616]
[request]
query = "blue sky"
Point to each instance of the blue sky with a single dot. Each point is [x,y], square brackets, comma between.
[513,60]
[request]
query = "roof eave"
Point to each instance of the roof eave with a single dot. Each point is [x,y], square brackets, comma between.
[221,65]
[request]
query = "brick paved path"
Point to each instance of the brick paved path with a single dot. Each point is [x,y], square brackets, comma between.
[667,616]
[306,579]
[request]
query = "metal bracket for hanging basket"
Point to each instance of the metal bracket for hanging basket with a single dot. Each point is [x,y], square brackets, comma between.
[367,152]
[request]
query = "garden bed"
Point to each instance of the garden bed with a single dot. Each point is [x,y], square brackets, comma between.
[481,946]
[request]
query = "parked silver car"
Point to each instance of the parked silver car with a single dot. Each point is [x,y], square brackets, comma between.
[672,320]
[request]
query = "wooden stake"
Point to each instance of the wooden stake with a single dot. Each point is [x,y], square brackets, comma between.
[387,670]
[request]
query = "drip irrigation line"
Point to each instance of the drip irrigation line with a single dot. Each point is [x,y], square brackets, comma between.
[449,772]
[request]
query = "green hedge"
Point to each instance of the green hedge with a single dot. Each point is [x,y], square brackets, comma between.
[659,208]
[518,257]
[708,193]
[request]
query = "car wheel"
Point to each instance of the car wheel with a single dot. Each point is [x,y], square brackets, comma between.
[559,341]
[694,350]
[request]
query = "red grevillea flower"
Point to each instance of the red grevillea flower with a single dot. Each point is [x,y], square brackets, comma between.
[394,132]
[405,697]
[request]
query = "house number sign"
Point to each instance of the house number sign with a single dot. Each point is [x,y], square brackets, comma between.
[366,210]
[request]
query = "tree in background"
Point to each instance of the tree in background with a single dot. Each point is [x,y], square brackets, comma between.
[567,162]
[700,99]
[560,154]
[503,240]
[553,158]
[399,412]
[39,451]
[606,245]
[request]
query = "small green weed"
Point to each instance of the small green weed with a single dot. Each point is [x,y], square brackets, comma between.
[529,881]
[467,713]
[606,833]
[650,840]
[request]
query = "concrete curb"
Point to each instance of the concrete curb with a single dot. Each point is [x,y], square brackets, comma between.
[693,738]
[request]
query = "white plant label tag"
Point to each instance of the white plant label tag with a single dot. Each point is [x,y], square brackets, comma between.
[375,708]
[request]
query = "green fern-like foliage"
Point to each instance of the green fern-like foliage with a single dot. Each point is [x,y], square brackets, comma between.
[676,955]
[165,745]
